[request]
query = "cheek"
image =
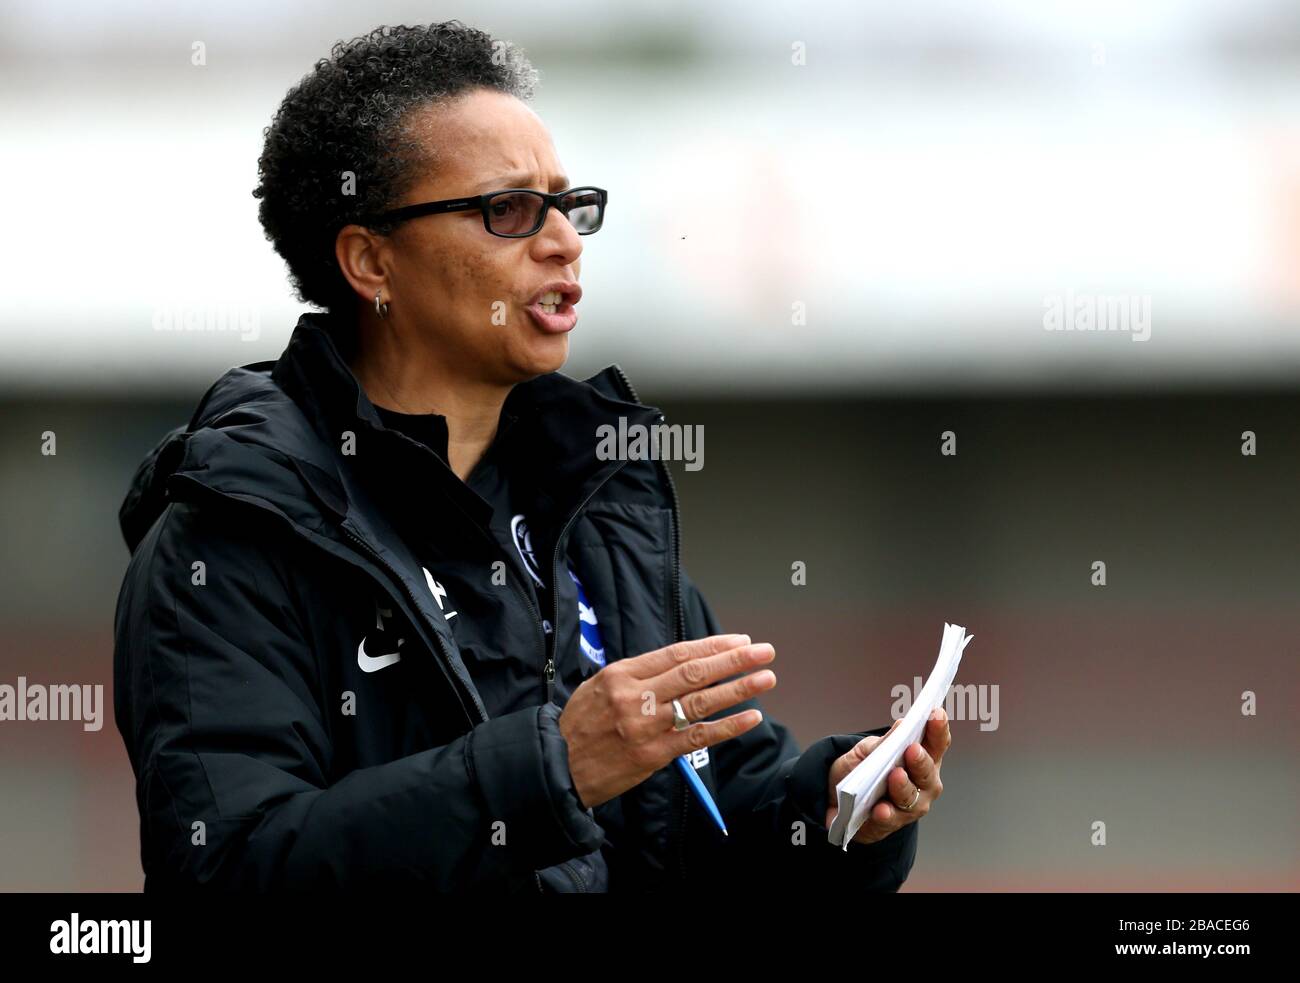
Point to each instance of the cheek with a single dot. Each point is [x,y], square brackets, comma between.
[483,294]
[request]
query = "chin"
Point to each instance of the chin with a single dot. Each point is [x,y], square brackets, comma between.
[542,355]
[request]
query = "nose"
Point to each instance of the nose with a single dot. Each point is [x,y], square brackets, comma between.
[557,238]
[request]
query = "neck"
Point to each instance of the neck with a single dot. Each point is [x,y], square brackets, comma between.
[408,378]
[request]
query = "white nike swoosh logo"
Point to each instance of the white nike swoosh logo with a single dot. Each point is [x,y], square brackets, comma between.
[372,663]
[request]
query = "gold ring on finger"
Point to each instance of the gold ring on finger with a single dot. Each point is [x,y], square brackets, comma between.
[908,807]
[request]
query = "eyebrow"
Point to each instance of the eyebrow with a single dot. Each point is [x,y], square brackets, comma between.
[520,179]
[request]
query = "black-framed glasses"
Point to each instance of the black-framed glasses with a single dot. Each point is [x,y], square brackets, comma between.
[514,213]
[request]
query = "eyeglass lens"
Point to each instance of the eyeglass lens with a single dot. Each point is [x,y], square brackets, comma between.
[519,212]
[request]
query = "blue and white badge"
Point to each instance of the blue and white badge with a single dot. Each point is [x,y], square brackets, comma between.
[589,637]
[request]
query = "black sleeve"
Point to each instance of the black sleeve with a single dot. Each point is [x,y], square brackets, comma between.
[774,797]
[215,698]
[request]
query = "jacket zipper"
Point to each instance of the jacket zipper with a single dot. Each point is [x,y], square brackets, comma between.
[679,628]
[549,671]
[513,579]
[680,613]
[574,876]
[572,871]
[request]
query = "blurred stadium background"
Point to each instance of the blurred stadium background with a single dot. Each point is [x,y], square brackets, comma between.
[827,265]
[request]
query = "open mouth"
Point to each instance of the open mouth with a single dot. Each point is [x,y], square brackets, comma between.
[551,301]
[552,309]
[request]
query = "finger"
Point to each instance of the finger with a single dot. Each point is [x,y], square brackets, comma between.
[920,767]
[661,660]
[698,673]
[706,702]
[706,733]
[851,758]
[884,815]
[902,792]
[937,737]
[882,820]
[858,753]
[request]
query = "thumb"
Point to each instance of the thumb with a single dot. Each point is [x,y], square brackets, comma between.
[851,758]
[854,756]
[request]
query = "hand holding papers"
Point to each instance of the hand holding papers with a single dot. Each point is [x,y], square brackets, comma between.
[863,787]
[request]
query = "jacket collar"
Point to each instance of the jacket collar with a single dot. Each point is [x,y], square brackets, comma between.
[550,448]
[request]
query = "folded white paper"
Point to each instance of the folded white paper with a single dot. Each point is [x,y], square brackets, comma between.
[864,786]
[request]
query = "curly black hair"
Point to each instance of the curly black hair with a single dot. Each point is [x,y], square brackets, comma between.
[349,115]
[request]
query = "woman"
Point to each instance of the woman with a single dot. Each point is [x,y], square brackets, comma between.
[347,650]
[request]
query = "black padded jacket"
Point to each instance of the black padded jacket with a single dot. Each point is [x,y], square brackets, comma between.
[271,753]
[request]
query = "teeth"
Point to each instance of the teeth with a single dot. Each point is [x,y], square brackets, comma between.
[548,308]
[550,298]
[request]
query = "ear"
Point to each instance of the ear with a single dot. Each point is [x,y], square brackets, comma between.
[364,259]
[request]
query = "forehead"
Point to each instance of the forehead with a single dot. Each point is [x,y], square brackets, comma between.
[482,135]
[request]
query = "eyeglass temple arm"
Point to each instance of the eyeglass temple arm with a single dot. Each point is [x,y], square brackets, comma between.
[430,208]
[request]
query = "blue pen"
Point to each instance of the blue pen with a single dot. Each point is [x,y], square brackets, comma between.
[701,792]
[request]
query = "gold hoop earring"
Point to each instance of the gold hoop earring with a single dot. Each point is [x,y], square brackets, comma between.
[380,309]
